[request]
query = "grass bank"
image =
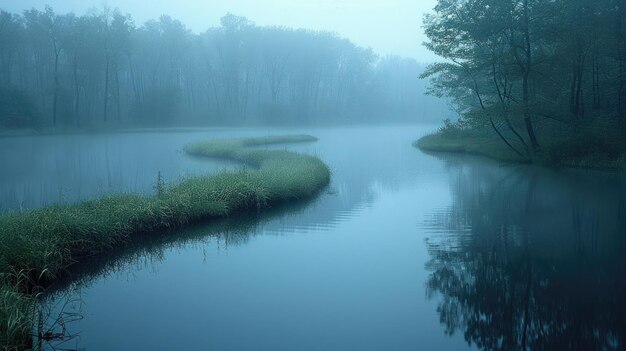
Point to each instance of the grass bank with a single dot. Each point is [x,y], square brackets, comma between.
[586,151]
[38,245]
[468,143]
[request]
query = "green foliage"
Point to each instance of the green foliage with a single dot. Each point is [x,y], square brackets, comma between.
[17,311]
[588,148]
[511,72]
[450,128]
[49,239]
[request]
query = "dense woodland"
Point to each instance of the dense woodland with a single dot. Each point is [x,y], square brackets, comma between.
[102,69]
[535,74]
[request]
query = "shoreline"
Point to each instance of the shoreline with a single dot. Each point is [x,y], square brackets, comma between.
[493,149]
[38,245]
[18,133]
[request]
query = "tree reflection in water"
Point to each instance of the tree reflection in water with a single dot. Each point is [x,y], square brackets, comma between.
[529,258]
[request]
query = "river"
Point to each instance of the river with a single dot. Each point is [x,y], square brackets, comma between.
[404,250]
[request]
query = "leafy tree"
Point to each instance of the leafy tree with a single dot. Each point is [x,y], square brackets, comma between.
[548,68]
[102,69]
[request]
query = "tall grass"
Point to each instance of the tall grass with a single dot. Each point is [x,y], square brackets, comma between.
[45,241]
[17,311]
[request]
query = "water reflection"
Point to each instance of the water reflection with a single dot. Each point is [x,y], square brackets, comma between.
[150,251]
[44,170]
[62,309]
[334,279]
[529,258]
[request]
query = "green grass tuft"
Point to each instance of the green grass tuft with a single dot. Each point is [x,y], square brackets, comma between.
[45,241]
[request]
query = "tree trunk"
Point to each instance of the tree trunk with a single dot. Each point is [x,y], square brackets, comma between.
[572,92]
[132,78]
[214,86]
[596,77]
[76,92]
[525,84]
[502,96]
[620,58]
[117,94]
[578,107]
[106,88]
[56,88]
[482,106]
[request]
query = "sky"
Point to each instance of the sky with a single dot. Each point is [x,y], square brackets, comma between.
[389,27]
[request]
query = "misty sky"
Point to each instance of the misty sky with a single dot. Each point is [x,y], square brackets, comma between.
[387,26]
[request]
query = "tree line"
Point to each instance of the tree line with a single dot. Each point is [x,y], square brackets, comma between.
[533,72]
[102,69]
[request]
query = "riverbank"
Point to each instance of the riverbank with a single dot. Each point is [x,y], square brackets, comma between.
[31,132]
[586,154]
[39,245]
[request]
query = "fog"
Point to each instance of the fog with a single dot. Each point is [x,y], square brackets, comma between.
[369,23]
[80,66]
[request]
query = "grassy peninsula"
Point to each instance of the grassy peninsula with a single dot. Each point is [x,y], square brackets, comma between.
[588,149]
[38,245]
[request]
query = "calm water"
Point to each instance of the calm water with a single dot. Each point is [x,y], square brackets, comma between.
[404,250]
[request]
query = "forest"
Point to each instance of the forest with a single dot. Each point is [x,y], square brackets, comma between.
[102,70]
[532,79]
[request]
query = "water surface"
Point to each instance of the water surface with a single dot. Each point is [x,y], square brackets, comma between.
[404,250]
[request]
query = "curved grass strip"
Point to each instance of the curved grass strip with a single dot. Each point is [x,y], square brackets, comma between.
[43,242]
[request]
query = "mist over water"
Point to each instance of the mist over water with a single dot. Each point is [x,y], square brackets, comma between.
[65,169]
[403,250]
